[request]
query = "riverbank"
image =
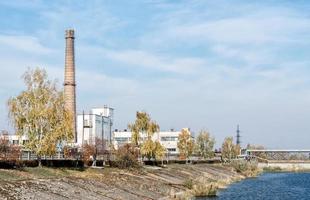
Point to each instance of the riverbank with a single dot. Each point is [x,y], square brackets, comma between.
[174,181]
[285,166]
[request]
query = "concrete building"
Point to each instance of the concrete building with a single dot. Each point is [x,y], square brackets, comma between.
[97,124]
[14,139]
[169,139]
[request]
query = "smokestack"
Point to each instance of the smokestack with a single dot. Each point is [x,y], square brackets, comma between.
[69,84]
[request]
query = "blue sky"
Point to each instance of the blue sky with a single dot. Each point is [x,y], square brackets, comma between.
[197,63]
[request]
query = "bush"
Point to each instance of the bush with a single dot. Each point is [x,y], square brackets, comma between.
[272,169]
[126,157]
[188,183]
[204,189]
[246,168]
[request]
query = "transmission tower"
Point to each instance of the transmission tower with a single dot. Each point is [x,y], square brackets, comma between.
[238,142]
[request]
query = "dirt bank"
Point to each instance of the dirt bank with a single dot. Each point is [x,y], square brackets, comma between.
[108,183]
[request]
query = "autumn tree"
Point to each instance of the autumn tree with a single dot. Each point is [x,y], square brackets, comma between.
[126,156]
[8,151]
[148,148]
[229,149]
[205,144]
[144,126]
[93,150]
[185,144]
[160,151]
[39,113]
[151,149]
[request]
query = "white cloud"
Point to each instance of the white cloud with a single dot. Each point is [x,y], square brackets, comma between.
[244,30]
[158,62]
[28,44]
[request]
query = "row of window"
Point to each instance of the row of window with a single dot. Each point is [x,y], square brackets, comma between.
[125,139]
[169,138]
[17,142]
[122,139]
[171,149]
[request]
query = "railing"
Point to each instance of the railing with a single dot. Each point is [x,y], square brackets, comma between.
[28,155]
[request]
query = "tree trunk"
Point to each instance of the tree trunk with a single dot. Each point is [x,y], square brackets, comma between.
[94,160]
[39,161]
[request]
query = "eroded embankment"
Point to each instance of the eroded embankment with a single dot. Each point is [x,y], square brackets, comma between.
[109,183]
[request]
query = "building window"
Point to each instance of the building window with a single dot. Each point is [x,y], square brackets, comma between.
[171,149]
[15,142]
[169,138]
[87,124]
[122,139]
[25,142]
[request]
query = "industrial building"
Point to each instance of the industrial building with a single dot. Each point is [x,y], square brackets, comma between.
[14,139]
[95,125]
[169,139]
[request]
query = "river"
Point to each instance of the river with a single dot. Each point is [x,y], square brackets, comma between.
[269,186]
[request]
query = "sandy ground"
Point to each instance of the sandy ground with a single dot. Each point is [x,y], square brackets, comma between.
[108,183]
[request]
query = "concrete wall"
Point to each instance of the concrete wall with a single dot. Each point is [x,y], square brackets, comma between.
[293,166]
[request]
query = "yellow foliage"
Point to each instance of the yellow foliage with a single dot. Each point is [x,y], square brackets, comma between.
[39,113]
[142,125]
[185,143]
[229,149]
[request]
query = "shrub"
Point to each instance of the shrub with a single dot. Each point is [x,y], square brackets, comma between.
[272,169]
[9,151]
[246,168]
[188,183]
[204,189]
[126,156]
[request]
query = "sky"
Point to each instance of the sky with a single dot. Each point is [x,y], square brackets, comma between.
[204,64]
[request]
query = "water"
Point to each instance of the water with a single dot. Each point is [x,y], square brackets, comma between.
[269,186]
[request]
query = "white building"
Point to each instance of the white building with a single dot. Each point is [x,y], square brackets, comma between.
[98,124]
[169,139]
[14,139]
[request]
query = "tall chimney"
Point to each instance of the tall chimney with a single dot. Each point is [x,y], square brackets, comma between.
[69,84]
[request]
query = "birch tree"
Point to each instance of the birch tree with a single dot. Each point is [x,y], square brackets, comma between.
[205,144]
[143,125]
[229,149]
[39,113]
[185,143]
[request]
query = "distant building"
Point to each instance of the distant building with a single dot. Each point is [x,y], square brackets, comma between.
[97,124]
[14,139]
[169,139]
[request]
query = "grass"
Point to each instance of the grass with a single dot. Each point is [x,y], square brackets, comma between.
[272,169]
[9,175]
[204,190]
[188,183]
[37,173]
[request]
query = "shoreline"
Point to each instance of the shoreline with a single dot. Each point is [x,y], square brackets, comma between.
[171,182]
